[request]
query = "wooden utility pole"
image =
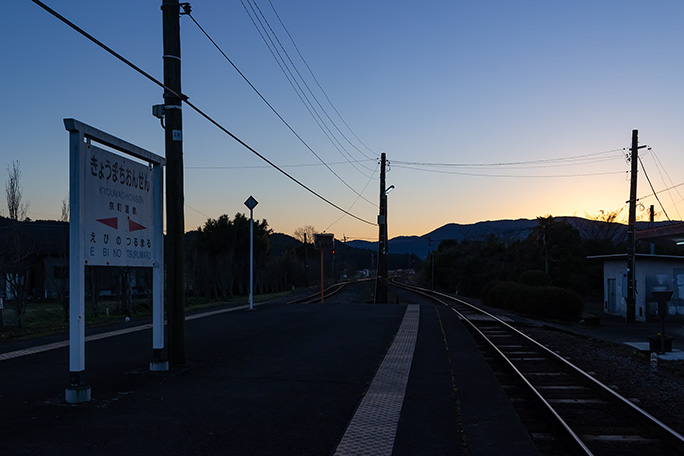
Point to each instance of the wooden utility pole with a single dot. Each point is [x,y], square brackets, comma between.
[381,284]
[631,243]
[175,223]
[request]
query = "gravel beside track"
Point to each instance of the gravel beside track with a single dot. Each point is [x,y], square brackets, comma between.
[626,369]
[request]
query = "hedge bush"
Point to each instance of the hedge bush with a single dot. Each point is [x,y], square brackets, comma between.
[535,278]
[540,301]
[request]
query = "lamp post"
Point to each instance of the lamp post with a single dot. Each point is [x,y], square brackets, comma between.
[251,204]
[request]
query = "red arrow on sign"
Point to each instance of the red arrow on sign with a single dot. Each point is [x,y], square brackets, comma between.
[111,222]
[132,226]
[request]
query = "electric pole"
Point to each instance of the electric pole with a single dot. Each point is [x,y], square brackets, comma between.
[631,243]
[175,222]
[381,284]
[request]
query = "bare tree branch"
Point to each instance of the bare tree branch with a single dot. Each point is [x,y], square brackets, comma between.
[17,209]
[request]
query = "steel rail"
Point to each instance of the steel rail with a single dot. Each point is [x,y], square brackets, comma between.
[675,437]
[548,407]
[327,292]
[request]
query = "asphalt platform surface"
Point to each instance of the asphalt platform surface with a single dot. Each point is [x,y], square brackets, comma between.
[282,379]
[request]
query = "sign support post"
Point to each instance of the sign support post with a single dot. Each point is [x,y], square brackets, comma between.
[78,390]
[158,362]
[251,204]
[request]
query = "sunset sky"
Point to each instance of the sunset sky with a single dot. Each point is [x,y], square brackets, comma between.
[486,109]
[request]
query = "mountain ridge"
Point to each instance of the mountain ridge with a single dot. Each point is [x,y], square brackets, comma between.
[508,230]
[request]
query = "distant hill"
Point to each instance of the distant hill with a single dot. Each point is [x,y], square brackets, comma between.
[354,258]
[506,230]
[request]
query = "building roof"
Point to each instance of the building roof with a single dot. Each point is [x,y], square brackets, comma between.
[43,237]
[667,235]
[639,256]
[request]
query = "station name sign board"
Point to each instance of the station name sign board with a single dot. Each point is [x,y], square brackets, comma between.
[115,219]
[118,202]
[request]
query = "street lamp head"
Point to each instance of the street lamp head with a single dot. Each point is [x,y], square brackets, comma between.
[389,189]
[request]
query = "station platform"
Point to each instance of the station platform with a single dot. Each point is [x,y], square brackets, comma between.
[343,377]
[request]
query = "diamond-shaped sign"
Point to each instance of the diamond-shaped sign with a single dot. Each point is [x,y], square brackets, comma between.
[251,203]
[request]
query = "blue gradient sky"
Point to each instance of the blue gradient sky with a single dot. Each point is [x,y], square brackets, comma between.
[438,81]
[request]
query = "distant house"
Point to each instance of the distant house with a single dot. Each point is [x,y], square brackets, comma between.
[35,255]
[652,272]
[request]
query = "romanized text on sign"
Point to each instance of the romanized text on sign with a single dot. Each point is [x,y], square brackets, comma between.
[118,207]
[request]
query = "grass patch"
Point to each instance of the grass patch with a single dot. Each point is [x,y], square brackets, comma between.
[47,318]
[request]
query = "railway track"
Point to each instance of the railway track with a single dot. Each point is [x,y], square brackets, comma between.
[566,410]
[327,293]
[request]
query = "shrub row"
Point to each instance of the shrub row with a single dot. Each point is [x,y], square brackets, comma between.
[542,301]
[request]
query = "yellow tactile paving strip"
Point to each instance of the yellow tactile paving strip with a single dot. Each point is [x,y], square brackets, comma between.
[374,425]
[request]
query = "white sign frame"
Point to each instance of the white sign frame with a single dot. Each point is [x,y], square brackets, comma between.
[81,137]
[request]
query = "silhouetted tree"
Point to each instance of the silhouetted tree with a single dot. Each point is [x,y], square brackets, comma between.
[219,256]
[17,252]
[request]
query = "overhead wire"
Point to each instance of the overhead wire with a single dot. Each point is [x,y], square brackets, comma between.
[301,165]
[661,169]
[510,176]
[584,158]
[184,98]
[313,76]
[272,108]
[467,169]
[400,164]
[294,66]
[352,204]
[648,179]
[267,37]
[654,192]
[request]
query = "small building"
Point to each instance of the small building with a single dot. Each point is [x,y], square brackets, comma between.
[35,257]
[652,272]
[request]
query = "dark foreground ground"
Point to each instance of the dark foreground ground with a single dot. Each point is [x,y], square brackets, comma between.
[283,379]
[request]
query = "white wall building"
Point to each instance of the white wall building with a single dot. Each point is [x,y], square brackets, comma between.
[652,272]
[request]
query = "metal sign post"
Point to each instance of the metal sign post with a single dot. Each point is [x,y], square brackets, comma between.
[115,208]
[251,204]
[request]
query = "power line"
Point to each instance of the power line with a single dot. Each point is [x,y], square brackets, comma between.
[294,66]
[643,168]
[248,147]
[272,108]
[200,213]
[577,158]
[661,169]
[321,88]
[526,176]
[663,190]
[302,165]
[532,165]
[285,68]
[191,105]
[352,204]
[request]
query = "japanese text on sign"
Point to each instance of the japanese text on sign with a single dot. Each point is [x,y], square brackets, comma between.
[118,202]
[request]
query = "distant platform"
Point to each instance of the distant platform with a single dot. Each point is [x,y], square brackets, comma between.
[674,355]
